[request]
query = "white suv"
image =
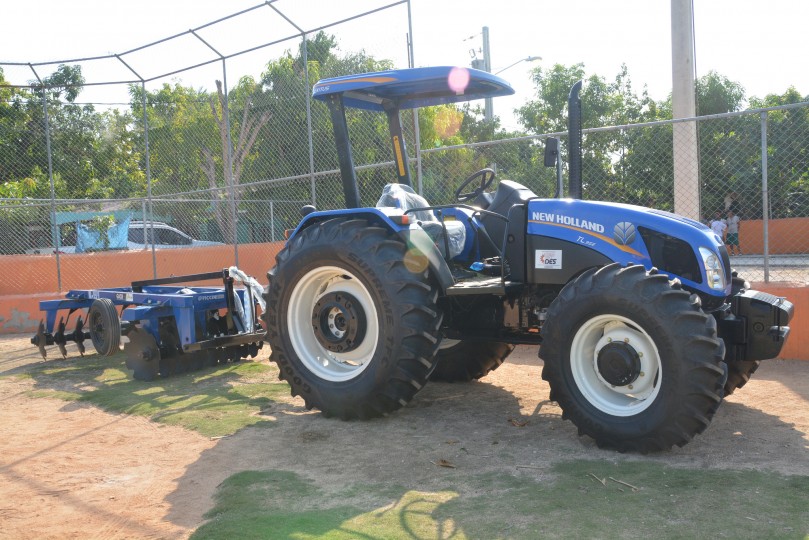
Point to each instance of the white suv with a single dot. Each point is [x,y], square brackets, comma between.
[165,236]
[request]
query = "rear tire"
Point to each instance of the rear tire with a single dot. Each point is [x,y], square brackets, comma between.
[354,331]
[632,361]
[463,361]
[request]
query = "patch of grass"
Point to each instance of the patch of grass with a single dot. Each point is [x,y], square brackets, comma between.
[54,394]
[215,401]
[280,504]
[579,499]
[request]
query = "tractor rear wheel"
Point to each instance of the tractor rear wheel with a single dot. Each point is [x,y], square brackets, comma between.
[354,331]
[463,361]
[632,359]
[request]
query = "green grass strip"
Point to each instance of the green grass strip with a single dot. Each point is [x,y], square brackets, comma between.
[215,401]
[579,499]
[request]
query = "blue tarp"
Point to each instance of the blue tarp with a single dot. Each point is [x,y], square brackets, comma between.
[90,240]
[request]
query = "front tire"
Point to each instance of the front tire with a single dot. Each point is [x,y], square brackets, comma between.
[632,361]
[354,331]
[464,361]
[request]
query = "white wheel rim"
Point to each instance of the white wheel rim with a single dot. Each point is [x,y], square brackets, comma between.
[326,364]
[627,400]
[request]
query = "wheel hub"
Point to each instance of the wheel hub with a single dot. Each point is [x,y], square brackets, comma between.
[338,321]
[619,363]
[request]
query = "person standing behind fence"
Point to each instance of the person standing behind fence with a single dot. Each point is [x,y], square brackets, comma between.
[732,202]
[732,241]
[719,227]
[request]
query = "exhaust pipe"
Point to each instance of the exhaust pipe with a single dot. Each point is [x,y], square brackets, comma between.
[574,141]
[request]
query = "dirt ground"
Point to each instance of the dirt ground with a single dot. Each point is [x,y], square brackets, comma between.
[70,470]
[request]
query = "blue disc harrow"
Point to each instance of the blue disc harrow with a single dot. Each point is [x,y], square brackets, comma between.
[165,327]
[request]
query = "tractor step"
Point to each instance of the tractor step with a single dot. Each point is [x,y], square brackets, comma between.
[481,285]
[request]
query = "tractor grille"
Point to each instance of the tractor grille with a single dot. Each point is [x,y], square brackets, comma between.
[672,255]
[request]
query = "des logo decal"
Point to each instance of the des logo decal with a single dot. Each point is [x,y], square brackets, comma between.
[548,259]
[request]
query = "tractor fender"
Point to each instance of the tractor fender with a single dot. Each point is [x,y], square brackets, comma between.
[418,242]
[423,246]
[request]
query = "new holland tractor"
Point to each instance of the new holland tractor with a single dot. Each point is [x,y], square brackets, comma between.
[640,323]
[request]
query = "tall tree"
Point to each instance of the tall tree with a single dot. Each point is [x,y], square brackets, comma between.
[233,164]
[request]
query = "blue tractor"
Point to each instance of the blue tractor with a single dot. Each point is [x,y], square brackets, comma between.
[642,327]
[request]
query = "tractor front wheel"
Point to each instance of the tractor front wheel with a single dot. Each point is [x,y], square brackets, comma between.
[354,331]
[632,359]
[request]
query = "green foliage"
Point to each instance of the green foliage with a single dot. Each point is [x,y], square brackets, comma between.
[635,165]
[787,154]
[716,94]
[100,225]
[180,122]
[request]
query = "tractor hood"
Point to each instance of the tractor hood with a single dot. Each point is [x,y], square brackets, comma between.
[410,88]
[633,234]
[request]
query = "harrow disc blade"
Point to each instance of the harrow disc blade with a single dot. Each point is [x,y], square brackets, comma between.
[59,337]
[78,335]
[39,340]
[142,354]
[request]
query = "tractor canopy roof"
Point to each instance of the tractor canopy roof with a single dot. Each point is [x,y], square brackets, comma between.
[410,88]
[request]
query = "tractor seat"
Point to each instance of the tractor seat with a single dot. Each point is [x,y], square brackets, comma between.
[402,196]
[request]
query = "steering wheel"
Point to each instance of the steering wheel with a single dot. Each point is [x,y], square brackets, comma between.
[486,178]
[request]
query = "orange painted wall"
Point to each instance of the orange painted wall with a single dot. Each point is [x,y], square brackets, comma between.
[797,345]
[788,235]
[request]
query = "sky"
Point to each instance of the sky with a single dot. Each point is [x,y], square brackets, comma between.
[762,45]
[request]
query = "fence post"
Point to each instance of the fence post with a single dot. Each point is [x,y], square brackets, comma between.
[54,225]
[272,222]
[55,236]
[411,62]
[229,182]
[148,233]
[765,202]
[308,94]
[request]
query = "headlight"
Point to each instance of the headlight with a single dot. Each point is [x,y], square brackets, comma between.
[713,269]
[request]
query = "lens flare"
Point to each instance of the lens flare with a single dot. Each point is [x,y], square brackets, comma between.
[415,261]
[458,79]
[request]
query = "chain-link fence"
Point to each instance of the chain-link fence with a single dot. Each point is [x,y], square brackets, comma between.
[222,169]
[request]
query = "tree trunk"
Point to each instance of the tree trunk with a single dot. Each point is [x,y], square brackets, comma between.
[226,203]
